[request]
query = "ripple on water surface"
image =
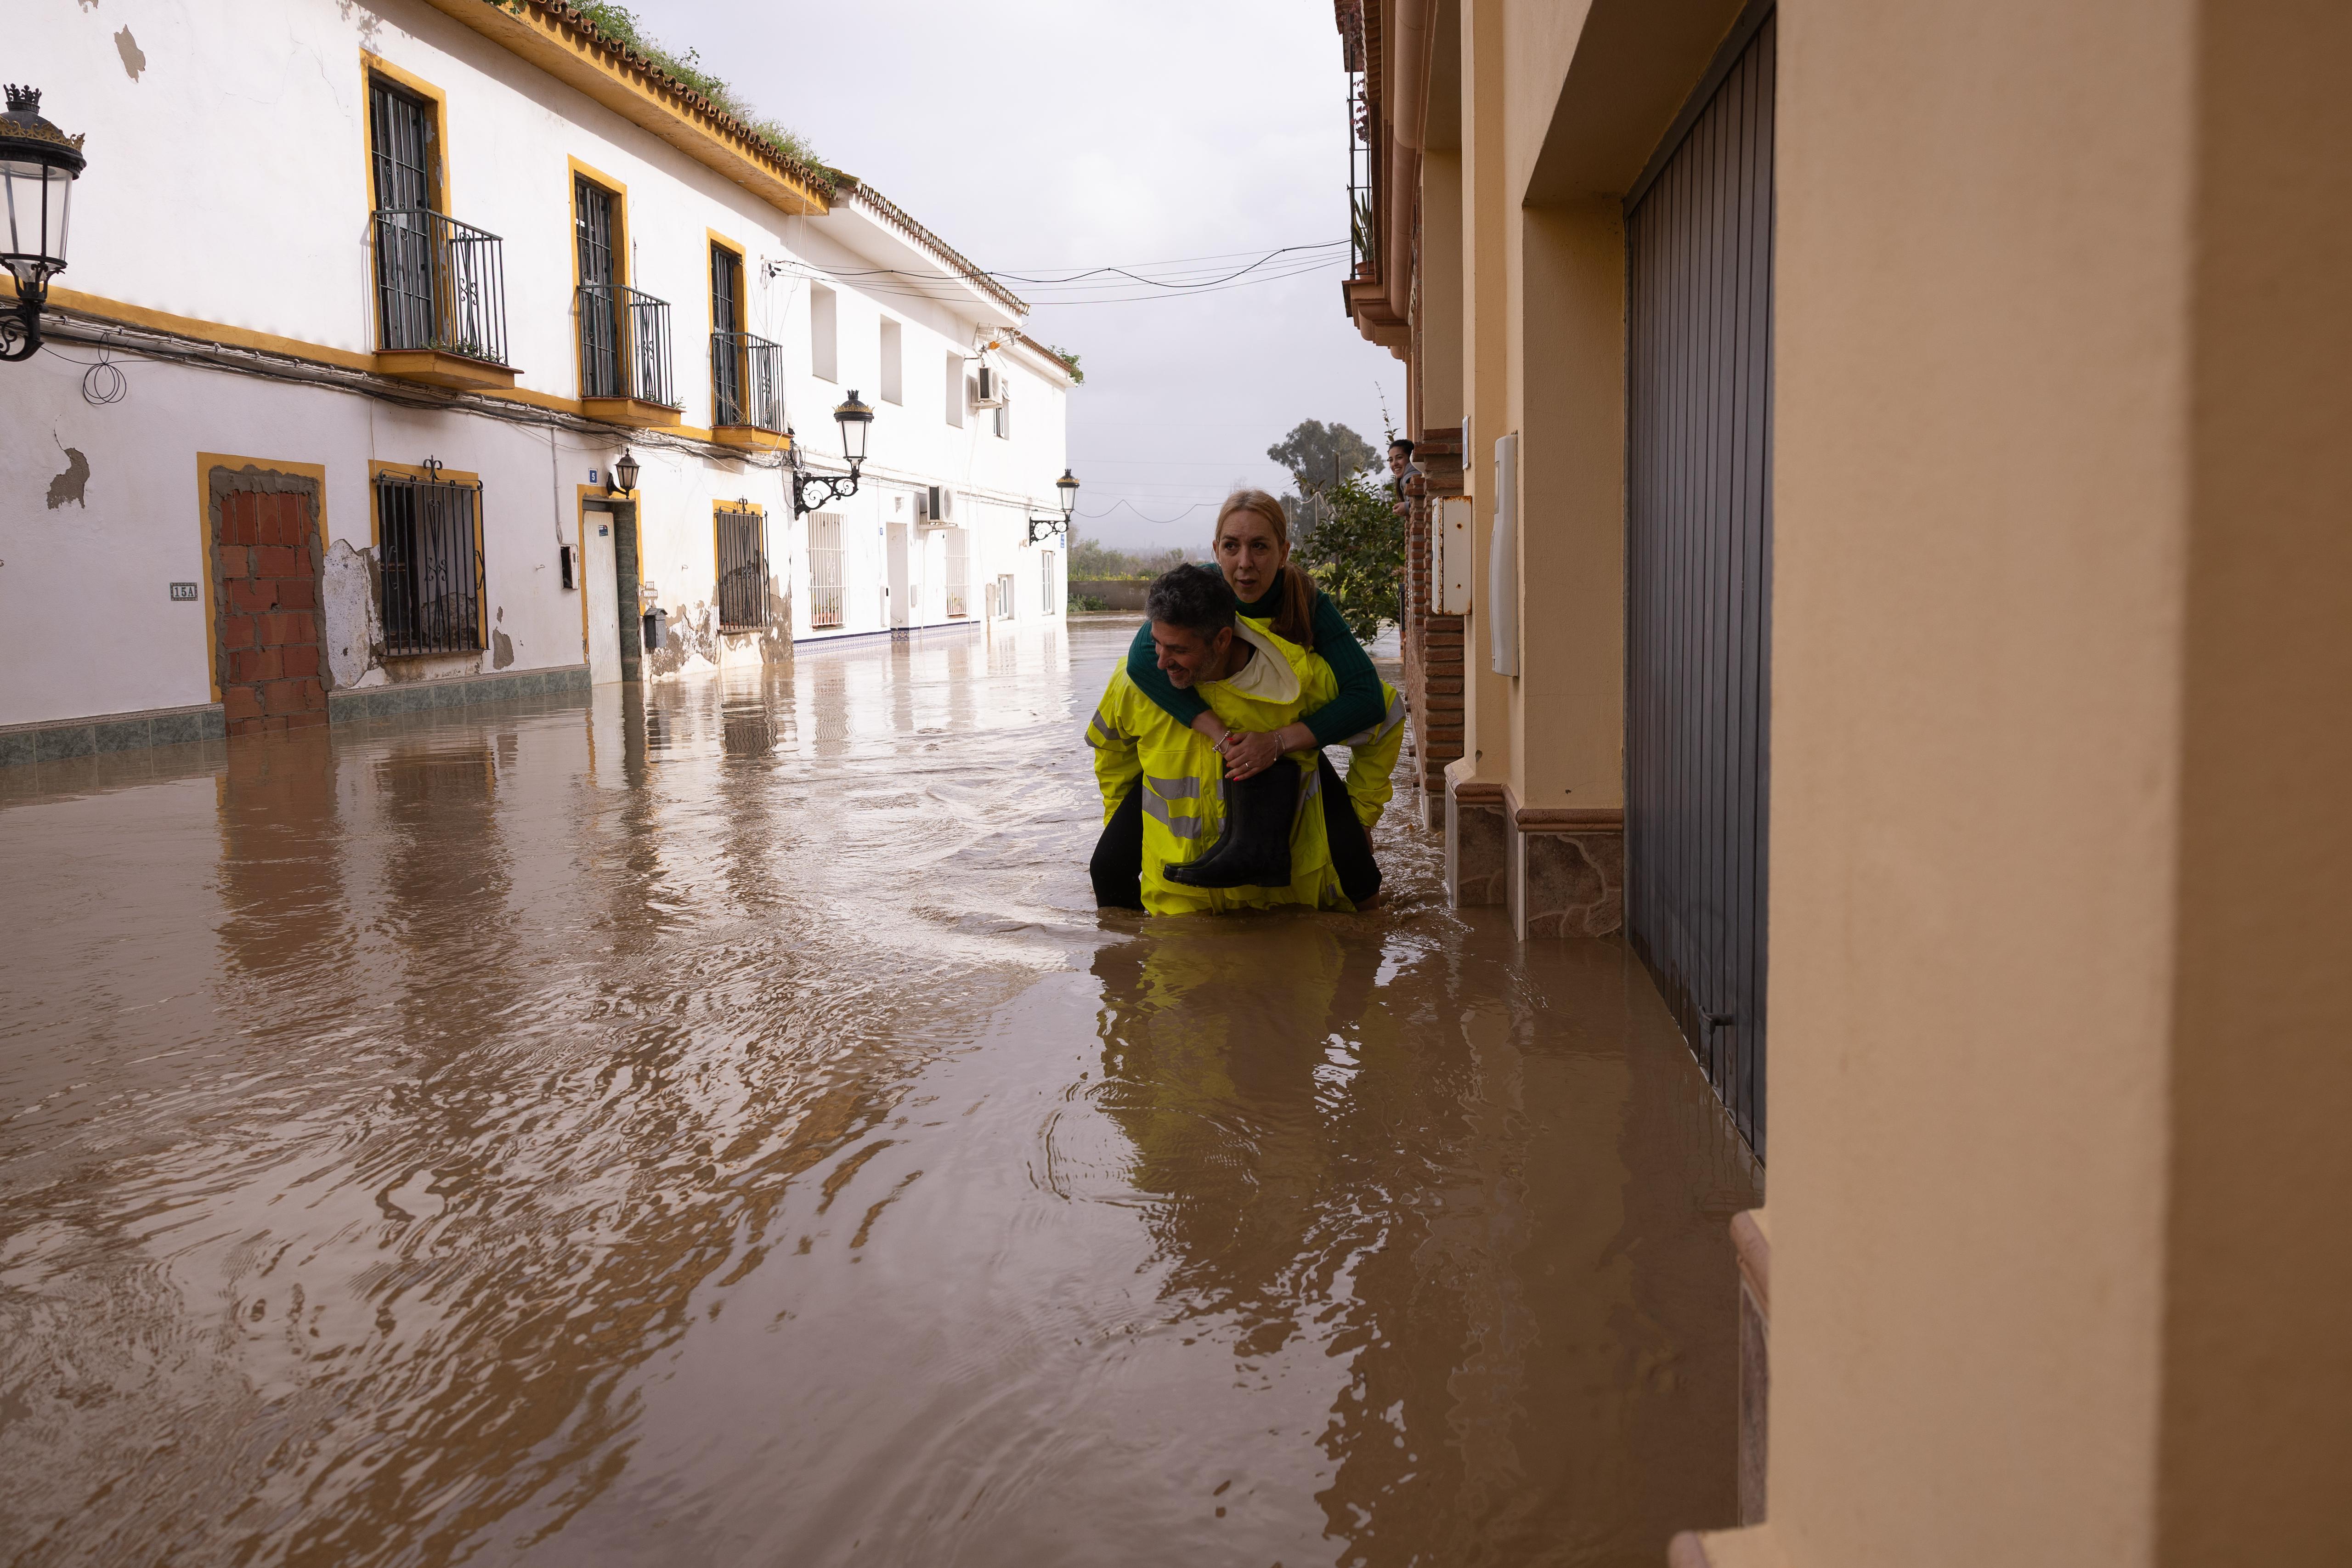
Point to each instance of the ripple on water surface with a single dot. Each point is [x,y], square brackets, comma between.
[718,1128]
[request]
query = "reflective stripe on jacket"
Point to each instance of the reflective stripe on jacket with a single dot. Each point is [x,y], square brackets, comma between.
[1138,746]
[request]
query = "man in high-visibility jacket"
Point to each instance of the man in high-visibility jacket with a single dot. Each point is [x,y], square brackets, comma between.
[1171,779]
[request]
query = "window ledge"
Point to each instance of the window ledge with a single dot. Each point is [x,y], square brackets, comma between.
[634,411]
[751,437]
[436,367]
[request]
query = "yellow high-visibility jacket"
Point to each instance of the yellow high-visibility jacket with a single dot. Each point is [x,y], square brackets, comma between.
[1138,745]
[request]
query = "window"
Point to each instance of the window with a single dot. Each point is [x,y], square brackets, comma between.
[1005,607]
[824,362]
[429,560]
[824,569]
[1045,561]
[725,344]
[742,570]
[1003,412]
[955,389]
[893,390]
[959,573]
[600,301]
[404,154]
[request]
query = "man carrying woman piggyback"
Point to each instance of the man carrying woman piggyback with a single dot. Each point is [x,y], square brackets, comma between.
[1209,742]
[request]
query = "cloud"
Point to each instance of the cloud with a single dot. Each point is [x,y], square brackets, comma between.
[1035,134]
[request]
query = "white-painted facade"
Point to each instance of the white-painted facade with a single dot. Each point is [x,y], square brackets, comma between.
[227,200]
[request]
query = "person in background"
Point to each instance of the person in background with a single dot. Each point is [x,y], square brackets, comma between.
[1401,468]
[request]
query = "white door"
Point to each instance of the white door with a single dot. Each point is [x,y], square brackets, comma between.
[603,588]
[899,597]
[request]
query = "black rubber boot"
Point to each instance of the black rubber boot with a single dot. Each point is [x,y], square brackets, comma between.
[1253,849]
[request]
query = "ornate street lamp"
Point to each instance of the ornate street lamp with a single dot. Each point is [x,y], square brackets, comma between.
[624,475]
[854,417]
[38,164]
[1041,527]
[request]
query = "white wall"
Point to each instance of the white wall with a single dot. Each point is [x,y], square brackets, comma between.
[228,183]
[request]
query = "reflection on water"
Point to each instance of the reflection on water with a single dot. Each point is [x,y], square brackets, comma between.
[714,1128]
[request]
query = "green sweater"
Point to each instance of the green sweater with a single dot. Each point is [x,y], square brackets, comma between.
[1356,709]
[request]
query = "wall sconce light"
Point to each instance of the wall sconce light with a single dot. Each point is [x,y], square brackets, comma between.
[1043,527]
[38,164]
[623,479]
[855,418]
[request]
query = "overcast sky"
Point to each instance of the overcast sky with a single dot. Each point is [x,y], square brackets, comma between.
[1036,135]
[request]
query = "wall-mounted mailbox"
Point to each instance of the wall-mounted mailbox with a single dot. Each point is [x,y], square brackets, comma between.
[1450,546]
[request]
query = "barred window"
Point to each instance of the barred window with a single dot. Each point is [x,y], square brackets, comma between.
[824,569]
[1046,560]
[1005,608]
[742,572]
[959,573]
[429,560]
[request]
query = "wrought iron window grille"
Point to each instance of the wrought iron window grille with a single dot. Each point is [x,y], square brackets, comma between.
[742,572]
[429,563]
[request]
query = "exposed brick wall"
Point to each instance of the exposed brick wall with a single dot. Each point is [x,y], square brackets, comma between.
[1432,643]
[265,572]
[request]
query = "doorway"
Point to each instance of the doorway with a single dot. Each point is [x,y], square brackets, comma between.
[896,573]
[608,585]
[266,571]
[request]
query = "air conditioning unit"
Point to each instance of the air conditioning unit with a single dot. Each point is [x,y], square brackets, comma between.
[990,388]
[935,506]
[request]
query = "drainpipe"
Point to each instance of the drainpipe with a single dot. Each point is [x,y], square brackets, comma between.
[1406,96]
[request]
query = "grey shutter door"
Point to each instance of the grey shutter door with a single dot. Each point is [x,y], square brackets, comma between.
[1699,577]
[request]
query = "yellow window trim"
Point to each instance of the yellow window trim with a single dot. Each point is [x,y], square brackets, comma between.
[205,463]
[570,53]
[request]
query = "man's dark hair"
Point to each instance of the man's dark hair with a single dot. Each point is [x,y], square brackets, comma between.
[1401,441]
[1194,598]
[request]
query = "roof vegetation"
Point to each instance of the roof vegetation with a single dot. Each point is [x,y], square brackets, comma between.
[619,26]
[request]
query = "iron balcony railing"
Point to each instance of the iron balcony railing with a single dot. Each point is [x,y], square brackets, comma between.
[429,562]
[624,344]
[747,382]
[440,285]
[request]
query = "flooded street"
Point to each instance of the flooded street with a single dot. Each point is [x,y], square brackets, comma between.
[718,1128]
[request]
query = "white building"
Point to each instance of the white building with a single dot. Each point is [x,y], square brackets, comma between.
[385,289]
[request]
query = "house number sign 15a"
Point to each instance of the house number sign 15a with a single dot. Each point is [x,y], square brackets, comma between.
[183,591]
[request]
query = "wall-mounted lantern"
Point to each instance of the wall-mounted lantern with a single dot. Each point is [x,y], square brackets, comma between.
[854,417]
[623,479]
[1042,527]
[38,164]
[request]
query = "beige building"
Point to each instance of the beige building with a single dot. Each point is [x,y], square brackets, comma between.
[1884,548]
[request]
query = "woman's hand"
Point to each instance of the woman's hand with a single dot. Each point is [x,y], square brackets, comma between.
[1249,752]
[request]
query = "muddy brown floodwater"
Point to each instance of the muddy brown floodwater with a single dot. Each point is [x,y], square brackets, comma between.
[719,1130]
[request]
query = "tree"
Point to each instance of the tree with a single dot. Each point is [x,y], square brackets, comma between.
[1318,456]
[1356,552]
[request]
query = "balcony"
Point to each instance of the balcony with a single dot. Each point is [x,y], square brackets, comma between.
[441,302]
[747,392]
[624,356]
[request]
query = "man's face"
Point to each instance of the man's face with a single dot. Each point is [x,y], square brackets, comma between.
[1186,656]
